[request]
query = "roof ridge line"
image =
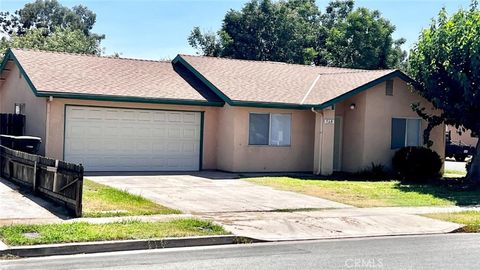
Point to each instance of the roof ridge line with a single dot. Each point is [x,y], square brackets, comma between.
[92,55]
[278,63]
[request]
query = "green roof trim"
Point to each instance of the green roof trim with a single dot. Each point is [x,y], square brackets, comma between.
[389,76]
[277,105]
[179,59]
[9,55]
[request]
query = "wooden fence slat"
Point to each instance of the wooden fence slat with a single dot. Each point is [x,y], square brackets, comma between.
[59,181]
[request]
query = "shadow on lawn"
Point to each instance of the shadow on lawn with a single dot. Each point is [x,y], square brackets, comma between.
[444,190]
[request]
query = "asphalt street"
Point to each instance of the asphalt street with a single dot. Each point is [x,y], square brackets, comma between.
[452,251]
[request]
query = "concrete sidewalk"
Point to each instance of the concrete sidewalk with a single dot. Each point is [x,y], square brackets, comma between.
[341,223]
[16,207]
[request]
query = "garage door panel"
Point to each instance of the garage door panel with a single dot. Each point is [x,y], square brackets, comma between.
[108,139]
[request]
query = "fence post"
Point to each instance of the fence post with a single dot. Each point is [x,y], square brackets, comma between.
[34,184]
[55,177]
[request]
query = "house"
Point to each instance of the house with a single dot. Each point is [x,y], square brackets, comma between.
[195,112]
[462,137]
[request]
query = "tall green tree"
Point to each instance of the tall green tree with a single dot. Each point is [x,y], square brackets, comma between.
[295,31]
[44,23]
[361,39]
[265,30]
[446,64]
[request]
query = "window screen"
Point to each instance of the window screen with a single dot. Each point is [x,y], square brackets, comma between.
[413,132]
[405,132]
[259,129]
[280,129]
[398,133]
[389,88]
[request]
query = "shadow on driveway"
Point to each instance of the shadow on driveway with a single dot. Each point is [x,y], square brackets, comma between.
[18,205]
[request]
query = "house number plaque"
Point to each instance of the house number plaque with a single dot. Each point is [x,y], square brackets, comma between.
[329,121]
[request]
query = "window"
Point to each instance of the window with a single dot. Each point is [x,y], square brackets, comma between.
[405,132]
[269,129]
[389,88]
[19,108]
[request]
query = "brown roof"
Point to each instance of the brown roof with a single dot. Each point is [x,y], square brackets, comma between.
[54,73]
[255,81]
[93,75]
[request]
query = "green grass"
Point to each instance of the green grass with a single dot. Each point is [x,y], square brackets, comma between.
[454,174]
[471,219]
[84,232]
[373,194]
[103,201]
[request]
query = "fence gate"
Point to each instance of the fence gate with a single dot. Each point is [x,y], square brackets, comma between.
[56,180]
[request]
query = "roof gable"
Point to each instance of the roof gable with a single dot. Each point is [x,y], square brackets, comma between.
[274,84]
[104,78]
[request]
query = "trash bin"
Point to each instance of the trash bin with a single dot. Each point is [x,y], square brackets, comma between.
[7,140]
[27,144]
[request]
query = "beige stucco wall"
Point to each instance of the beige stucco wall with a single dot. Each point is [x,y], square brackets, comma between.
[367,128]
[16,90]
[57,113]
[235,154]
[462,137]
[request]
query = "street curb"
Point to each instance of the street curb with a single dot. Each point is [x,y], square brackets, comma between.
[123,245]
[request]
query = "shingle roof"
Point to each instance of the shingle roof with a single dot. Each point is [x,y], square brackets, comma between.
[237,80]
[94,75]
[255,81]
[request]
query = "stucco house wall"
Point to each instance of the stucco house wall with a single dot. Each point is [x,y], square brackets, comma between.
[367,128]
[56,114]
[235,153]
[16,90]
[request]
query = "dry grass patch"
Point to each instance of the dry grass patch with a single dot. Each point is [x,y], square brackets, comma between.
[103,201]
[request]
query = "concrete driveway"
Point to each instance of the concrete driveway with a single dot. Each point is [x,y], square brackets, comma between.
[261,212]
[212,192]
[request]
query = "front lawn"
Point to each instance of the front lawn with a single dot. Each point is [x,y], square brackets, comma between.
[373,194]
[84,232]
[471,219]
[449,173]
[103,201]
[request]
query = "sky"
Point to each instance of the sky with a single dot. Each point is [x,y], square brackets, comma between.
[158,29]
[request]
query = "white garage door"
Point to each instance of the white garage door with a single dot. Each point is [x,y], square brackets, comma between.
[112,139]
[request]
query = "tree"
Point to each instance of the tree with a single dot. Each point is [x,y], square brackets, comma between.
[264,30]
[295,31]
[361,39]
[47,25]
[62,40]
[208,43]
[446,64]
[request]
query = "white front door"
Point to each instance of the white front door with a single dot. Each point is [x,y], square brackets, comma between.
[118,139]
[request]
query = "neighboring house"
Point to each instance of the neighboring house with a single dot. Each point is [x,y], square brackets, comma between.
[461,137]
[198,113]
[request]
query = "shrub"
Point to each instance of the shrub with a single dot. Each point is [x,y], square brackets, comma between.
[375,172]
[418,164]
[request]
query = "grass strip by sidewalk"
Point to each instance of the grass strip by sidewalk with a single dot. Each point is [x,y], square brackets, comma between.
[103,201]
[83,232]
[373,194]
[471,219]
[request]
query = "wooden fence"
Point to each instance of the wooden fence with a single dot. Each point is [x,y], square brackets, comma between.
[56,180]
[12,124]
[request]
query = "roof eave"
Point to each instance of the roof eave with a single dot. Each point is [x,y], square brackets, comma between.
[358,90]
[9,55]
[129,99]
